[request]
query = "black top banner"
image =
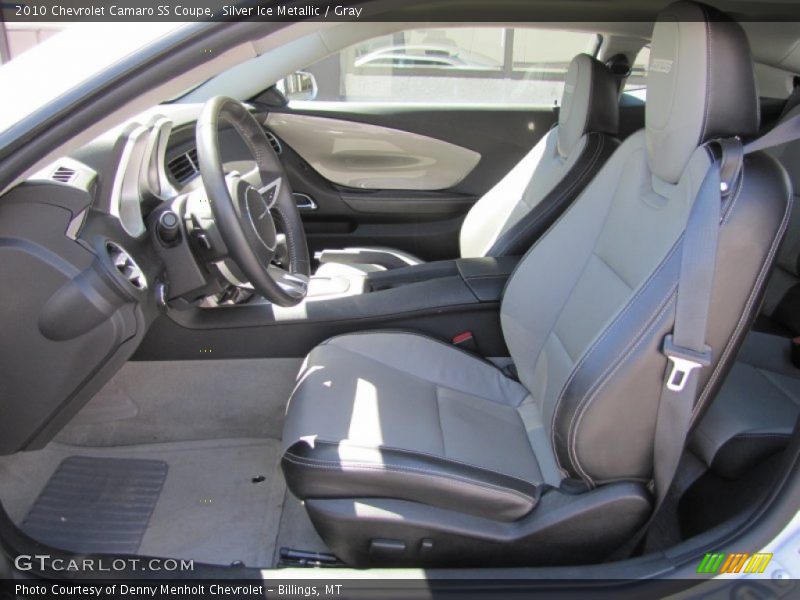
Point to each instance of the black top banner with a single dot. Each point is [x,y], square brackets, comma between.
[483,11]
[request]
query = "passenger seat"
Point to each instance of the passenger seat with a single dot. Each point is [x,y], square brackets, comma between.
[519,209]
[757,406]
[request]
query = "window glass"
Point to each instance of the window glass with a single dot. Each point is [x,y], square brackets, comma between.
[636,84]
[454,65]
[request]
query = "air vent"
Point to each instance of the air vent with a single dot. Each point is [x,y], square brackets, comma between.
[274,142]
[184,166]
[126,266]
[64,174]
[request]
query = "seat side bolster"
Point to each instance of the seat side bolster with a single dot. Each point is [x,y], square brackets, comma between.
[320,469]
[521,236]
[754,413]
[632,337]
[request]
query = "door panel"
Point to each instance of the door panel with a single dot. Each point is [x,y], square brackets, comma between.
[364,156]
[501,135]
[423,222]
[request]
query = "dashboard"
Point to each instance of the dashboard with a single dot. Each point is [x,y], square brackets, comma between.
[85,273]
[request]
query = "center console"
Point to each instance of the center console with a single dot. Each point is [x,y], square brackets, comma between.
[442,299]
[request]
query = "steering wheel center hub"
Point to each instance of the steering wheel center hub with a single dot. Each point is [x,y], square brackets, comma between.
[257,218]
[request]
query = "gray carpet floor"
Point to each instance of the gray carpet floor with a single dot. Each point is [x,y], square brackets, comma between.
[217,424]
[171,401]
[209,509]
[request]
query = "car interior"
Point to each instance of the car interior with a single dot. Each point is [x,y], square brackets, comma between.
[275,323]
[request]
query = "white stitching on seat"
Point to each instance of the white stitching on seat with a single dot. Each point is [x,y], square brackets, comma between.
[602,338]
[737,332]
[586,402]
[437,457]
[336,466]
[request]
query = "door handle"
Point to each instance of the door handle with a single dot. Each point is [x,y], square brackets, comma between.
[304,201]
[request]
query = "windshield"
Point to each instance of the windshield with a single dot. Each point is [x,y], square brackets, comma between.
[67,58]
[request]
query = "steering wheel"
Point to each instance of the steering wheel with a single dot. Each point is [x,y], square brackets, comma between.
[245,215]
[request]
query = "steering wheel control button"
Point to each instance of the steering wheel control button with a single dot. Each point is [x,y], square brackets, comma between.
[168,228]
[201,237]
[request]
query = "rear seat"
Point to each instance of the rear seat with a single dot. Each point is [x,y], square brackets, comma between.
[756,408]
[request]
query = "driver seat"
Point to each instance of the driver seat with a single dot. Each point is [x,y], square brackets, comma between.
[410,451]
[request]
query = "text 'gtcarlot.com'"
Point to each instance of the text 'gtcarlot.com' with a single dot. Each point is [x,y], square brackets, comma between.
[45,562]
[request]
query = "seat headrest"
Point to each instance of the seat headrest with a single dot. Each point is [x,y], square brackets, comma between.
[589,103]
[700,85]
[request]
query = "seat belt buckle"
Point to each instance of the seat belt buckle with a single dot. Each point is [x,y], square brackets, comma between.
[682,362]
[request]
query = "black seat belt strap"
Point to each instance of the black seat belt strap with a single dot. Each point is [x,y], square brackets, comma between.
[686,346]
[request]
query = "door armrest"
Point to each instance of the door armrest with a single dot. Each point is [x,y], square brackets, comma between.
[389,258]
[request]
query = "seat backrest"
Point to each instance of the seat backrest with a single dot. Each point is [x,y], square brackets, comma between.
[516,211]
[586,311]
[782,299]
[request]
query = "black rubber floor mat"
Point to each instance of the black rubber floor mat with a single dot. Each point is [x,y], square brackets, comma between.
[97,505]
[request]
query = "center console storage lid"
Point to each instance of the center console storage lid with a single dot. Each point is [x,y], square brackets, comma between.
[383,280]
[485,276]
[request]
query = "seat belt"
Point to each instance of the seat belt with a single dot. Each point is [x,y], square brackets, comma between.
[686,347]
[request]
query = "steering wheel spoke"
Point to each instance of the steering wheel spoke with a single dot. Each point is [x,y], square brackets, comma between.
[271,191]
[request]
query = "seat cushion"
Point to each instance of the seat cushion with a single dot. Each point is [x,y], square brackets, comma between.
[400,415]
[755,410]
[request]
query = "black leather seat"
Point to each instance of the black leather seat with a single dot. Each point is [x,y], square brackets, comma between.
[408,451]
